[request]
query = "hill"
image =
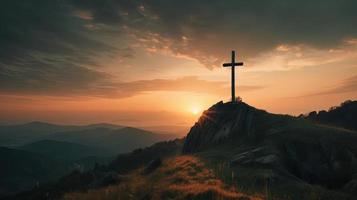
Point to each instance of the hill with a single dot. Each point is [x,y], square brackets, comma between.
[234,151]
[293,156]
[114,140]
[104,175]
[44,161]
[71,147]
[64,151]
[22,170]
[344,115]
[179,177]
[17,135]
[168,129]
[109,138]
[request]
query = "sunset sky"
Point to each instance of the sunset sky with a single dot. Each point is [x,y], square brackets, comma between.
[159,62]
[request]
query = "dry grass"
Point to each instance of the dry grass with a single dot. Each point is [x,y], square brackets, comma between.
[182,177]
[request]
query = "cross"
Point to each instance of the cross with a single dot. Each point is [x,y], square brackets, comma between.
[233,64]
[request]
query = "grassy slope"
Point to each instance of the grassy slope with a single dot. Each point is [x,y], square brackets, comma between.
[180,177]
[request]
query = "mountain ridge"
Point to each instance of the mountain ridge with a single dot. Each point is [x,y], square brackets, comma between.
[295,151]
[253,152]
[73,147]
[344,115]
[65,151]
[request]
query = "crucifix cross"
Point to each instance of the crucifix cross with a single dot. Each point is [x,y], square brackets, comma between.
[233,64]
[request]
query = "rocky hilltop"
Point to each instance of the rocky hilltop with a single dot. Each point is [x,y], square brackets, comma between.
[290,150]
[219,122]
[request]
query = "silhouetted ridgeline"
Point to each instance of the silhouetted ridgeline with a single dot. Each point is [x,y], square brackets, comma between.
[37,153]
[103,175]
[233,150]
[287,153]
[344,115]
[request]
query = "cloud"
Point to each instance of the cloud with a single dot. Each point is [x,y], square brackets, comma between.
[286,57]
[188,84]
[201,30]
[347,85]
[46,46]
[98,84]
[58,47]
[206,31]
[48,29]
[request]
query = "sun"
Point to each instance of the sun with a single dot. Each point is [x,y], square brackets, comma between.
[195,110]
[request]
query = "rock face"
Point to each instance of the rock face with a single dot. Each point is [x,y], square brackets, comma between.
[295,148]
[219,122]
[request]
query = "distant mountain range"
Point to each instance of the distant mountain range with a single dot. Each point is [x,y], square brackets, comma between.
[112,140]
[234,151]
[106,137]
[16,135]
[232,145]
[64,151]
[168,129]
[38,152]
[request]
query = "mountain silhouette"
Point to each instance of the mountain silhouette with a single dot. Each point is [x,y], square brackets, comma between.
[344,115]
[69,147]
[111,138]
[292,151]
[21,134]
[64,151]
[234,151]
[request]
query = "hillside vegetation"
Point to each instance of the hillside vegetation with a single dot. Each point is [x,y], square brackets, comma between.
[179,177]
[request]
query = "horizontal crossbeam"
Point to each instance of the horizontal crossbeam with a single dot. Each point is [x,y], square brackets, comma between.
[232,64]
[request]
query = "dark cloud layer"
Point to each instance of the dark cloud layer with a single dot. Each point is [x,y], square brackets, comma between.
[44,48]
[206,29]
[251,27]
[45,45]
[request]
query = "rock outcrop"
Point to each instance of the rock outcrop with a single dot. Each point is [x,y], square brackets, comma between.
[219,122]
[294,148]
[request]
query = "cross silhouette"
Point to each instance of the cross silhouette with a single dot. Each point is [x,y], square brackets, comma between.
[233,64]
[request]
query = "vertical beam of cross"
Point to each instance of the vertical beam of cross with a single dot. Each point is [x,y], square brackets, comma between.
[233,64]
[233,76]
